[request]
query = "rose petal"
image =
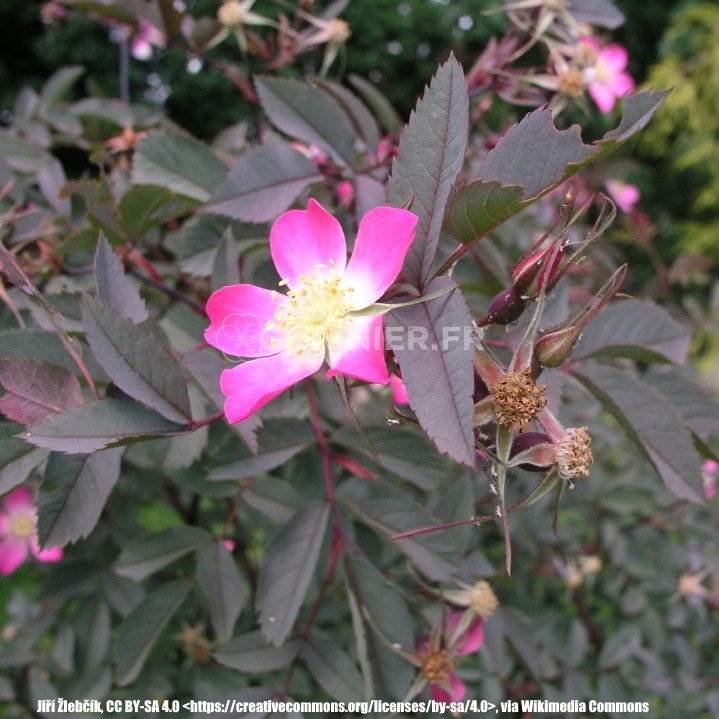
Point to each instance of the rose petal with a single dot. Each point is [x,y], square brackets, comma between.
[302,239]
[18,499]
[383,238]
[359,352]
[54,554]
[602,96]
[253,384]
[456,689]
[621,84]
[472,639]
[399,391]
[238,315]
[12,555]
[615,57]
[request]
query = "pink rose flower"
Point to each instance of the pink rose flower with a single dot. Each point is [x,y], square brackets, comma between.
[18,533]
[606,76]
[399,391]
[624,195]
[291,335]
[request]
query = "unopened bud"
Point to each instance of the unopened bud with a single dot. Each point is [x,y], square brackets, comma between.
[556,344]
[504,309]
[553,348]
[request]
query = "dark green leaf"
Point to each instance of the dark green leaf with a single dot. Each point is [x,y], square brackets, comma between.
[477,208]
[637,329]
[57,86]
[534,154]
[531,159]
[221,582]
[391,512]
[138,633]
[379,104]
[146,555]
[275,498]
[334,671]
[73,493]
[363,122]
[434,346]
[17,458]
[651,422]
[136,361]
[113,287]
[249,653]
[179,163]
[288,567]
[278,441]
[696,404]
[431,154]
[98,424]
[306,113]
[264,182]
[401,451]
[35,391]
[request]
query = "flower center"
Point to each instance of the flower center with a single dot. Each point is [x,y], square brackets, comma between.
[434,666]
[21,527]
[314,312]
[571,83]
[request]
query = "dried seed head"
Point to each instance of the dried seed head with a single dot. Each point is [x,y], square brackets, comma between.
[434,666]
[231,13]
[517,398]
[483,599]
[574,453]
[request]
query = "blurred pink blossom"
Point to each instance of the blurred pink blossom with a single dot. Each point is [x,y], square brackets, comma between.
[624,195]
[18,533]
[606,76]
[146,37]
[463,634]
[710,475]
[345,192]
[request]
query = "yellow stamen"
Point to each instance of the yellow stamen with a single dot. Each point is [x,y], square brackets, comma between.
[314,312]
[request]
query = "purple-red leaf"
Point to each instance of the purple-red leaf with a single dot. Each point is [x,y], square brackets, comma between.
[433,344]
[431,153]
[34,391]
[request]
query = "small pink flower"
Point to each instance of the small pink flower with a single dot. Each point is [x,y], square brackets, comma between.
[462,634]
[229,545]
[606,76]
[624,195]
[345,192]
[399,391]
[292,335]
[710,475]
[18,533]
[146,36]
